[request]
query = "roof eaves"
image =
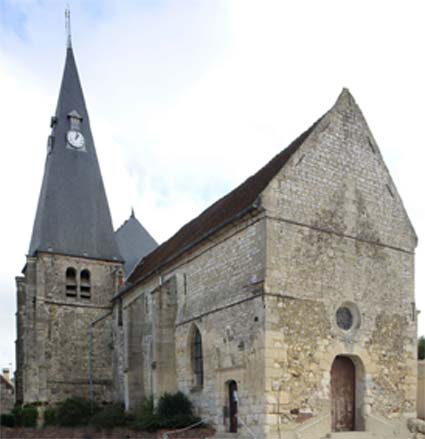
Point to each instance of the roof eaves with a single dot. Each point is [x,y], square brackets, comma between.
[252,208]
[224,209]
[47,252]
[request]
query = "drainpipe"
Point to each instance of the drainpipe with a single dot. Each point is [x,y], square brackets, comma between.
[90,343]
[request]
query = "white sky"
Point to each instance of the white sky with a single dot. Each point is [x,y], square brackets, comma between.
[187,98]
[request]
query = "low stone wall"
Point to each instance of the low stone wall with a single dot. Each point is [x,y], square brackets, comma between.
[421,389]
[90,433]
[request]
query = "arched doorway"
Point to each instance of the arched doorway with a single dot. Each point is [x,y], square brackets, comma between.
[233,406]
[343,394]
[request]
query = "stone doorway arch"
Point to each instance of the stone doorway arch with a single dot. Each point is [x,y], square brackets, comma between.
[347,393]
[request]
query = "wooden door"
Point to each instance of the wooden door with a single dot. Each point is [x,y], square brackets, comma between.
[343,394]
[233,407]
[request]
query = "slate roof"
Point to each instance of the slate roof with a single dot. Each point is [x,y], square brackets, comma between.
[134,242]
[222,212]
[73,215]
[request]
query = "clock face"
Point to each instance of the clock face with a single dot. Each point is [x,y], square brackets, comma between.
[75,139]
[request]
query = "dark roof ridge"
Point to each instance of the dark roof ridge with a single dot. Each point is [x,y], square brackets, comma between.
[122,225]
[132,215]
[227,207]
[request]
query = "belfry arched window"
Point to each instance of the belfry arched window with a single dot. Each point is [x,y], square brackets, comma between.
[85,286]
[71,282]
[197,358]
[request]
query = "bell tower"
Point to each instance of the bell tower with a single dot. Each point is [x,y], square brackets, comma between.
[73,267]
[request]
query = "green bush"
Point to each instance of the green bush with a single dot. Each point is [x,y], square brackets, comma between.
[75,412]
[173,411]
[29,417]
[145,418]
[110,416]
[173,404]
[49,416]
[421,348]
[25,416]
[147,423]
[7,420]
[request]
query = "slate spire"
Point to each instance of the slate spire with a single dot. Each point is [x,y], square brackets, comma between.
[73,215]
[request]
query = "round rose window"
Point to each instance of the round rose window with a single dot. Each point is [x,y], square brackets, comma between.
[344,318]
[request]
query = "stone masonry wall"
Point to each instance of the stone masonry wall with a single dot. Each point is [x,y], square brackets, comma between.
[337,234]
[21,310]
[219,289]
[55,338]
[7,395]
[421,390]
[164,338]
[264,294]
[118,359]
[233,349]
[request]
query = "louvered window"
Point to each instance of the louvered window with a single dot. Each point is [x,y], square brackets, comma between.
[71,282]
[85,287]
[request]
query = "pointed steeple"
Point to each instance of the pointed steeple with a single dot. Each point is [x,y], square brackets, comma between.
[73,216]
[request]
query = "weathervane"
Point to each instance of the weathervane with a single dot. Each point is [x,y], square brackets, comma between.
[68,26]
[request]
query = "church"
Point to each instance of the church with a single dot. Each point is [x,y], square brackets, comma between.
[285,310]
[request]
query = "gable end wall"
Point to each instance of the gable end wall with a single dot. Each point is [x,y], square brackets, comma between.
[335,234]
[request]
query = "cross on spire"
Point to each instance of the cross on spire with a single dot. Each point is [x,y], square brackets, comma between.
[68,27]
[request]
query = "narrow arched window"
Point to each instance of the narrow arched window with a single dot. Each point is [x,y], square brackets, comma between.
[197,359]
[119,312]
[85,287]
[71,282]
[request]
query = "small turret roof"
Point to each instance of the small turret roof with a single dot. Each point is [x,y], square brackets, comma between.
[134,242]
[73,215]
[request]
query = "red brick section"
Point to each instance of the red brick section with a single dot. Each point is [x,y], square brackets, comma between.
[221,212]
[90,433]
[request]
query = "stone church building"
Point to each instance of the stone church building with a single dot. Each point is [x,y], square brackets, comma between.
[284,310]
